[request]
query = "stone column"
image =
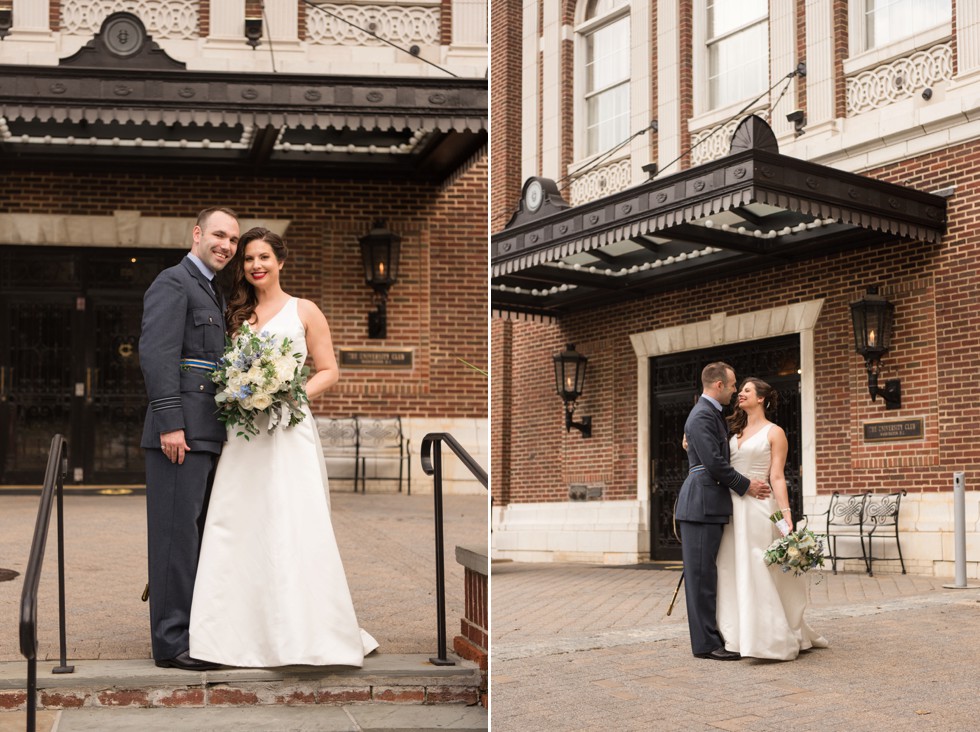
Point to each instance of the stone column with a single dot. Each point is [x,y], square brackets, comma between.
[967,38]
[819,63]
[227,20]
[668,83]
[31,17]
[282,17]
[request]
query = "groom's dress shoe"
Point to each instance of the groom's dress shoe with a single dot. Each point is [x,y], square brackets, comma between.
[719,654]
[183,660]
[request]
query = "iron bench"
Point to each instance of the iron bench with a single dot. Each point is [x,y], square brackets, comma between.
[865,516]
[338,439]
[382,439]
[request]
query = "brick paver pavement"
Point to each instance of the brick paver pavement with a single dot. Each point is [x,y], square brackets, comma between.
[386,542]
[584,647]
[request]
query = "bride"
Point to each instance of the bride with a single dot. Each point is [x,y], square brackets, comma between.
[270,587]
[760,608]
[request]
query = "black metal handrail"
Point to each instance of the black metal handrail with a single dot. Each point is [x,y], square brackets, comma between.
[54,481]
[431,455]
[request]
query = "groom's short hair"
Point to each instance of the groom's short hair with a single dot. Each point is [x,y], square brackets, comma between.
[716,371]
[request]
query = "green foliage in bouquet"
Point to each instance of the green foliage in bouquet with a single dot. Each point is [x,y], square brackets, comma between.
[799,552]
[258,375]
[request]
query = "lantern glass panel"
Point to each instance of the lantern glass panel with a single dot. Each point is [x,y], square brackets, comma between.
[872,320]
[570,373]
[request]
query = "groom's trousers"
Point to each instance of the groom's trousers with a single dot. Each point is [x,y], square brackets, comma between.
[699,548]
[176,505]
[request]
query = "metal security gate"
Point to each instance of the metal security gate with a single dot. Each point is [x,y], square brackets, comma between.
[675,384]
[69,361]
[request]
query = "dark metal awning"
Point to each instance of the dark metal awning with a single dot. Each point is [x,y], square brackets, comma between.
[749,210]
[147,111]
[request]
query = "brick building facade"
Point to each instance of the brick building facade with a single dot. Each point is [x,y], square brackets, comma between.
[68,205]
[868,100]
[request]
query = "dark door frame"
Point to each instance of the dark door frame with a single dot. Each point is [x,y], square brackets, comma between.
[82,280]
[675,383]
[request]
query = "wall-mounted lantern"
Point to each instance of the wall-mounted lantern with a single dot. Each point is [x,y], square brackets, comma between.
[873,317]
[380,249]
[6,20]
[569,381]
[253,31]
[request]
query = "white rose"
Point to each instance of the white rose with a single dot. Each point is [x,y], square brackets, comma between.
[255,373]
[247,402]
[285,367]
[261,401]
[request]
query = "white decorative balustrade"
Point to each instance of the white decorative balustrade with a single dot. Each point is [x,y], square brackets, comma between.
[600,182]
[162,18]
[402,24]
[899,79]
[712,143]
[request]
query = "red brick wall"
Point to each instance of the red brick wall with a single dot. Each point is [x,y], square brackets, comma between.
[505,110]
[840,53]
[686,27]
[474,639]
[446,22]
[801,52]
[438,306]
[936,291]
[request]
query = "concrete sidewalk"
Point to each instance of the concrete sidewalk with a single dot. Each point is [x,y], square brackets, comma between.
[585,647]
[386,542]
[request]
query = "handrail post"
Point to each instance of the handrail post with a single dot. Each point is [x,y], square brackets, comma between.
[54,477]
[64,668]
[440,559]
[31,694]
[431,458]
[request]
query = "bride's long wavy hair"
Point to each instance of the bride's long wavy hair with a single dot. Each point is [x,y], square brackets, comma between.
[738,419]
[242,300]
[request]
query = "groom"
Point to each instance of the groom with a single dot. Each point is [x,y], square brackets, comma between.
[183,336]
[704,506]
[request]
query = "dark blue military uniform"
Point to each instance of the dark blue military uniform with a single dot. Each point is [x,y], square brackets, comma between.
[182,319]
[704,506]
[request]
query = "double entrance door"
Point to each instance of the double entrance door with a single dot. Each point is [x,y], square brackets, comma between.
[676,385]
[69,360]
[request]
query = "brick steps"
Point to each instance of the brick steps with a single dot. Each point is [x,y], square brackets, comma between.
[306,718]
[388,679]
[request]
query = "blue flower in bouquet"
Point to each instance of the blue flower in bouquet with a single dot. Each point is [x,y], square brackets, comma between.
[259,375]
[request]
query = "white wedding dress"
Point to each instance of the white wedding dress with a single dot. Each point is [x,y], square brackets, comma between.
[270,588]
[760,608]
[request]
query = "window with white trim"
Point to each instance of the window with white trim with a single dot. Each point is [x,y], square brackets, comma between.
[738,50]
[605,34]
[886,21]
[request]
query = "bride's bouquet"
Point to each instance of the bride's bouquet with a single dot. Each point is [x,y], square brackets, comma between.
[799,551]
[259,375]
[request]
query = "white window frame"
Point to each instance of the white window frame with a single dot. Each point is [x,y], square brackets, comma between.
[702,61]
[861,57]
[583,28]
[858,33]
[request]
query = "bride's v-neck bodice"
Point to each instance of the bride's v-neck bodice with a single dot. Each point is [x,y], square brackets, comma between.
[287,324]
[753,456]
